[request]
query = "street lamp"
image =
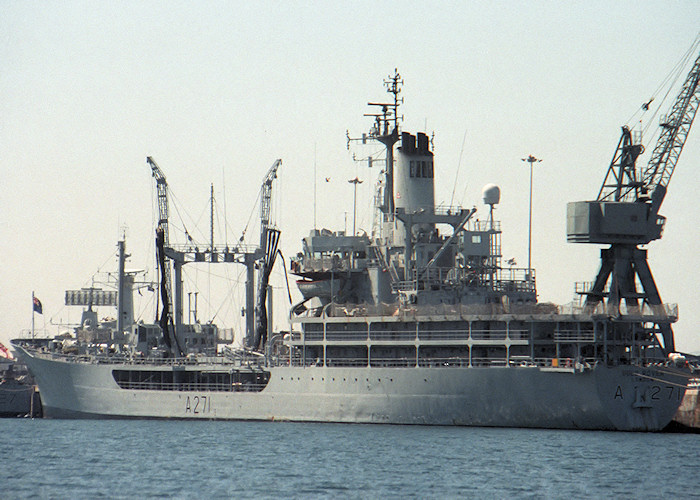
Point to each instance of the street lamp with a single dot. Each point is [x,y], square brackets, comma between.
[355,182]
[530,159]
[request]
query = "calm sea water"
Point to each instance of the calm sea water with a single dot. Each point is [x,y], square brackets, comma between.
[179,459]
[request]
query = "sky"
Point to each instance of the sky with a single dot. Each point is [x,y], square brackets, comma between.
[215,92]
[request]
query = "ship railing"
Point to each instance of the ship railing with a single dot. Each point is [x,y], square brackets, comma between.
[472,224]
[644,312]
[574,336]
[427,335]
[404,286]
[317,362]
[334,263]
[518,334]
[669,311]
[443,362]
[392,362]
[488,361]
[564,362]
[501,280]
[347,335]
[488,334]
[662,312]
[336,362]
[583,287]
[393,335]
[145,360]
[210,360]
[312,336]
[223,250]
[28,334]
[440,362]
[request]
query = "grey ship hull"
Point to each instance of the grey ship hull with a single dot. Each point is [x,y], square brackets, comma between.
[18,400]
[605,398]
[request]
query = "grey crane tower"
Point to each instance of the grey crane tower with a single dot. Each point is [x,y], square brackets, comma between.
[626,215]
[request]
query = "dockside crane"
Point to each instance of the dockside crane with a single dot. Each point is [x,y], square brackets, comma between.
[626,215]
[166,322]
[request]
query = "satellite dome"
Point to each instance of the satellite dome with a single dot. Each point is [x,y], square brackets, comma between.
[491,194]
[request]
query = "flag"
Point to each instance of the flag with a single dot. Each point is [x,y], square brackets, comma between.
[4,352]
[37,306]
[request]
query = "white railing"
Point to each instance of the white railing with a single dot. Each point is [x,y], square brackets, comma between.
[420,335]
[118,359]
[663,312]
[444,362]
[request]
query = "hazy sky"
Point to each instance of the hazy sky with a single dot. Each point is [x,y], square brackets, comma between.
[216,91]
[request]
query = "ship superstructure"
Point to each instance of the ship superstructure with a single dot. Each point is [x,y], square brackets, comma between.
[413,296]
[419,323]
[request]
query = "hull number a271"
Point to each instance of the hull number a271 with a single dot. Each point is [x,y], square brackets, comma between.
[197,405]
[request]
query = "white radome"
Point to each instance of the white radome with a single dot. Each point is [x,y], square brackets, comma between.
[491,194]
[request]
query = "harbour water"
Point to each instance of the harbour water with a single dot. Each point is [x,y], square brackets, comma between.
[181,459]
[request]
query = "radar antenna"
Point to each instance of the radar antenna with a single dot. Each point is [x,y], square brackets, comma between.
[385,130]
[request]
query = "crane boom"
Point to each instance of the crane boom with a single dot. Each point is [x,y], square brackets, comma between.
[162,189]
[623,182]
[269,239]
[162,244]
[162,192]
[674,132]
[265,201]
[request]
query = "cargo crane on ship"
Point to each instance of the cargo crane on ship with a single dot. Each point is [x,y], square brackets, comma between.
[260,257]
[625,215]
[267,253]
[168,327]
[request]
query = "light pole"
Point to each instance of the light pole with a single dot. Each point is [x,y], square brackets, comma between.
[354,181]
[530,159]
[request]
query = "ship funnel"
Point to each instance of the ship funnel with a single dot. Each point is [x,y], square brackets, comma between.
[491,194]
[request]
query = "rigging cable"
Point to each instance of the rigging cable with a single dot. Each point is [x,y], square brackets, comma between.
[669,83]
[459,164]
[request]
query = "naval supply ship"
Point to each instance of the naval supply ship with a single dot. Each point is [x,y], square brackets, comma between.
[419,322]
